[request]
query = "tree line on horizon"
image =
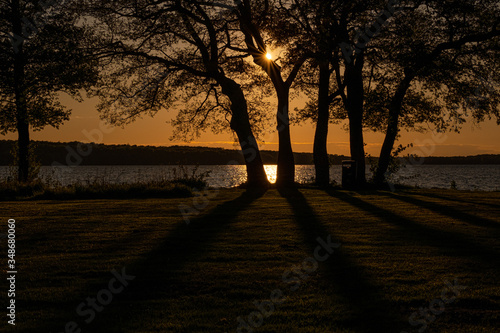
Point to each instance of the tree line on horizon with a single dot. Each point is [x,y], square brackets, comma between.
[377,65]
[66,154]
[57,154]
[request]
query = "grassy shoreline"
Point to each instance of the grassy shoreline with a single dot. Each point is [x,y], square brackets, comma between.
[398,251]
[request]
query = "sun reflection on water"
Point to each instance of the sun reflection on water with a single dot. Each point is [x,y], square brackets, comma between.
[271,172]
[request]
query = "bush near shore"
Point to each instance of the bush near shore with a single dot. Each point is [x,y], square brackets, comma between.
[181,183]
[40,190]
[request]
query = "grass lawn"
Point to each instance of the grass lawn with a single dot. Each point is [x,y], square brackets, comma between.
[408,260]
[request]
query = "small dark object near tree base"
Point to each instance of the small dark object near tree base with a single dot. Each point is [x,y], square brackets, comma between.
[348,174]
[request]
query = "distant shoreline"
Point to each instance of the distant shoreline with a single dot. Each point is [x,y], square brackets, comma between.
[86,154]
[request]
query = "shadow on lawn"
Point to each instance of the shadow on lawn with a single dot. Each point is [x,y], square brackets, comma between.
[448,242]
[155,272]
[446,210]
[454,199]
[373,313]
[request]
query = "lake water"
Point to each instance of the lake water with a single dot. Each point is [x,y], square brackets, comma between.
[466,177]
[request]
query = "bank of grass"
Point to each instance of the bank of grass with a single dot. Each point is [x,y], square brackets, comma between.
[180,182]
[398,250]
[38,190]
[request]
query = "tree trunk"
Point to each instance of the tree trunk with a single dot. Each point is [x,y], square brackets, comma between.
[387,146]
[286,165]
[320,152]
[392,129]
[355,98]
[240,123]
[23,158]
[20,96]
[357,146]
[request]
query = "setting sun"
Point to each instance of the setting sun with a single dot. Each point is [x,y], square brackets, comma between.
[269,56]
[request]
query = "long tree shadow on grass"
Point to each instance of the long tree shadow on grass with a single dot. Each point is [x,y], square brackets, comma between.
[446,210]
[447,242]
[373,313]
[454,199]
[155,270]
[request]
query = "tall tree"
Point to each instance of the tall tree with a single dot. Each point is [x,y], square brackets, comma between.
[157,54]
[252,17]
[331,31]
[309,31]
[439,56]
[42,54]
[395,75]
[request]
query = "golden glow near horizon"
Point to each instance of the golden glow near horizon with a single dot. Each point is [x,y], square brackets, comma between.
[472,140]
[269,56]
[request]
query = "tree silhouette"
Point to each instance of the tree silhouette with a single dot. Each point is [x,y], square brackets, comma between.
[252,16]
[415,64]
[327,29]
[41,55]
[311,29]
[174,53]
[437,56]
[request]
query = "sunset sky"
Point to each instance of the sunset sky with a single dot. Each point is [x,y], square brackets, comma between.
[473,139]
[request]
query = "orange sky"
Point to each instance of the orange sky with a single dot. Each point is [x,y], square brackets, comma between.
[472,140]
